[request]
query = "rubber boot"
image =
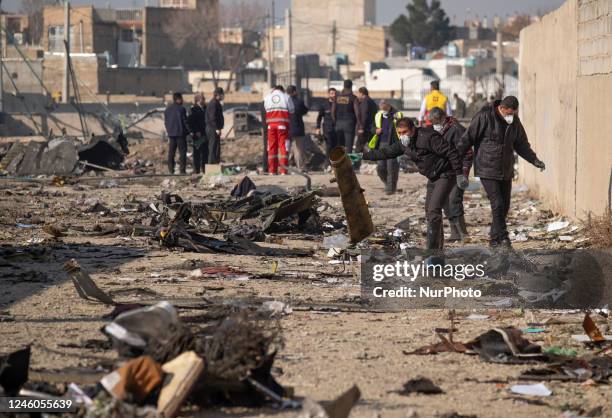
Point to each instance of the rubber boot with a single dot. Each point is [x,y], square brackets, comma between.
[435,243]
[462,227]
[455,235]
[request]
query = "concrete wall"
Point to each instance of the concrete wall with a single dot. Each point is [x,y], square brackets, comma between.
[566,83]
[21,75]
[142,81]
[93,72]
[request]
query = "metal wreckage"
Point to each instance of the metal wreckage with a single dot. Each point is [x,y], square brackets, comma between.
[166,362]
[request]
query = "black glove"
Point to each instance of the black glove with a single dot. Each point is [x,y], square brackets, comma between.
[462,182]
[540,164]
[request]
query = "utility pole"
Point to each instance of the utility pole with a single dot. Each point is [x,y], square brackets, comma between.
[334,36]
[289,43]
[270,40]
[2,36]
[499,67]
[66,80]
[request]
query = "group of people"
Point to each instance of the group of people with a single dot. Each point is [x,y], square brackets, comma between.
[442,149]
[444,152]
[204,123]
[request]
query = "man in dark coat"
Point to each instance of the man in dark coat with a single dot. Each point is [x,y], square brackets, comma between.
[367,109]
[297,131]
[326,121]
[452,131]
[177,128]
[436,159]
[214,125]
[197,123]
[496,133]
[347,117]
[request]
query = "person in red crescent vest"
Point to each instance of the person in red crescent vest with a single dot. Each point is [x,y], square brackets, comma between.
[278,107]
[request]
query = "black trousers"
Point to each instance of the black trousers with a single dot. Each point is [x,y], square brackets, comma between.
[499,192]
[454,207]
[214,146]
[345,134]
[388,172]
[437,196]
[200,155]
[179,142]
[362,140]
[331,140]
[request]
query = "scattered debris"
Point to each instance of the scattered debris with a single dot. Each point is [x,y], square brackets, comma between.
[14,369]
[531,390]
[358,216]
[84,284]
[420,385]
[134,381]
[338,408]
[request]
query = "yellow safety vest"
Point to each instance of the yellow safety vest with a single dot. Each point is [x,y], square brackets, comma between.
[378,123]
[435,99]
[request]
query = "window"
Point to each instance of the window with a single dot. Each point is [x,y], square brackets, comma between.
[56,38]
[279,44]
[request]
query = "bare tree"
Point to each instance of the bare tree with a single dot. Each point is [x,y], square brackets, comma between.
[202,29]
[514,27]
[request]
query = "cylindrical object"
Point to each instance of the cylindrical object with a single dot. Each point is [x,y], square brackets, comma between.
[355,207]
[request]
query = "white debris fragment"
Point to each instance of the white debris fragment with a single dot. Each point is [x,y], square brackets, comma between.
[538,389]
[557,226]
[338,241]
[477,317]
[566,238]
[277,307]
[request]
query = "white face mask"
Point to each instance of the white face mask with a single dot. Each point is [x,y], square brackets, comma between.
[385,113]
[438,128]
[405,140]
[509,119]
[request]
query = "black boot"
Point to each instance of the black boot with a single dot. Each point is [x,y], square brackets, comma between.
[463,227]
[435,243]
[435,237]
[455,235]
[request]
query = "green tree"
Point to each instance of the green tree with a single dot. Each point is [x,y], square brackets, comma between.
[426,25]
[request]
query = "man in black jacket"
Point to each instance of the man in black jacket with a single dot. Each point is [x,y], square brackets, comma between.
[452,131]
[347,116]
[214,125]
[326,119]
[197,123]
[437,160]
[367,110]
[495,133]
[297,132]
[177,128]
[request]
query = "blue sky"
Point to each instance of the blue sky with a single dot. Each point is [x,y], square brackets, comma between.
[387,10]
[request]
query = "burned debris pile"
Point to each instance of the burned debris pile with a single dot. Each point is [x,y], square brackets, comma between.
[65,156]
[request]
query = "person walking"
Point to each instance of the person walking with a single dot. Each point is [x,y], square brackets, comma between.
[434,99]
[279,108]
[215,122]
[347,117]
[177,128]
[437,160]
[367,110]
[197,124]
[494,134]
[297,131]
[385,122]
[326,121]
[452,131]
[460,106]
